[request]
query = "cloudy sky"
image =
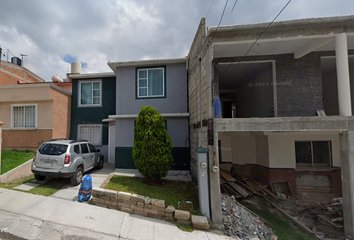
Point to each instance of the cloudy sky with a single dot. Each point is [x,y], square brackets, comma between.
[54,33]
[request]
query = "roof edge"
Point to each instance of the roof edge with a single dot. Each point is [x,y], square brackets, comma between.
[149,62]
[304,21]
[93,75]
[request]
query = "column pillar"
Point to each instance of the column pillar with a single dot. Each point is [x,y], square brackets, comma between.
[347,168]
[343,79]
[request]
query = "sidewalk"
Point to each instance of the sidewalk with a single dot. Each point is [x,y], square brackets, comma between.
[36,217]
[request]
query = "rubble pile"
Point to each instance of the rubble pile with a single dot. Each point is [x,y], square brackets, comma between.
[241,223]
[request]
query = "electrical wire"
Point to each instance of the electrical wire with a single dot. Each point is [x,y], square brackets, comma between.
[234,6]
[209,9]
[205,40]
[257,39]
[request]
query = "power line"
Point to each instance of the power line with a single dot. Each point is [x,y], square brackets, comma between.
[222,16]
[234,6]
[205,40]
[209,9]
[257,38]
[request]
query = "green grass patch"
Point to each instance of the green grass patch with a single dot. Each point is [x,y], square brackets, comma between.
[49,188]
[44,189]
[170,191]
[280,226]
[12,159]
[13,184]
[184,227]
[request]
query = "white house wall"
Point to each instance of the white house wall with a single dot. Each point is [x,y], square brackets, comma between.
[282,147]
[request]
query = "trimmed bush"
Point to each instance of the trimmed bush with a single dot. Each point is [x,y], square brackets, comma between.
[152,146]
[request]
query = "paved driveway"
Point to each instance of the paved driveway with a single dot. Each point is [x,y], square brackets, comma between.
[70,192]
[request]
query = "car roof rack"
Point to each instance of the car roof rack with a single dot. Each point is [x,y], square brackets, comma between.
[56,139]
[78,140]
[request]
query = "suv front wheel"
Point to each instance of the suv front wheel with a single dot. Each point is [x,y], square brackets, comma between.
[76,178]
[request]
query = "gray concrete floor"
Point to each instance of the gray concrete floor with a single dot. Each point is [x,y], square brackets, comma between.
[70,192]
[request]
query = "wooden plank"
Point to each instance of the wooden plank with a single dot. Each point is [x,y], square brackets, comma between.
[227,176]
[245,186]
[266,190]
[323,217]
[239,189]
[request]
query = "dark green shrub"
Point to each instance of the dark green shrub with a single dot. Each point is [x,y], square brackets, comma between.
[152,146]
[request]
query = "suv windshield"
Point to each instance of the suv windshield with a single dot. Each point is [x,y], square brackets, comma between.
[53,149]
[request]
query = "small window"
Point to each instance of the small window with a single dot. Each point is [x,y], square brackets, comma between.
[84,148]
[77,149]
[24,116]
[90,93]
[313,153]
[92,148]
[91,133]
[151,82]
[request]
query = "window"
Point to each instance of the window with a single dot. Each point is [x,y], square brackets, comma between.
[53,149]
[151,82]
[92,148]
[84,148]
[77,149]
[24,116]
[90,93]
[91,133]
[313,153]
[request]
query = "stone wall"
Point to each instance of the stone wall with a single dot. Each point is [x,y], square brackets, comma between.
[144,206]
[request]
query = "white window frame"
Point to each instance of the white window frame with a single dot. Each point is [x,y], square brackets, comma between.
[99,143]
[23,105]
[147,83]
[79,94]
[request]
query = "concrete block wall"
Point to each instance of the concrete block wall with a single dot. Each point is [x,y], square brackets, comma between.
[144,206]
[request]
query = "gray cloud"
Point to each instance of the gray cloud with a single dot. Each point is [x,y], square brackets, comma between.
[95,32]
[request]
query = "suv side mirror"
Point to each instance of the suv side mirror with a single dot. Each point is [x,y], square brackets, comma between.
[97,150]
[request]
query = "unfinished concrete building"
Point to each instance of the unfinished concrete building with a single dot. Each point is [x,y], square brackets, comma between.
[286,105]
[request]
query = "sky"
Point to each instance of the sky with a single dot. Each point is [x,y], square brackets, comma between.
[57,32]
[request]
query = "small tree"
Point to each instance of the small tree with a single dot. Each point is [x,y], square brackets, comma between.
[152,146]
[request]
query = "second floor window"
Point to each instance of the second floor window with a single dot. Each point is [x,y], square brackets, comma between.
[151,82]
[90,93]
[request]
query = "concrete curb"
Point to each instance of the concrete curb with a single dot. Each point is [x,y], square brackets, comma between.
[19,172]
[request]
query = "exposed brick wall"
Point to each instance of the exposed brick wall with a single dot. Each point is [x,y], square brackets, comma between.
[25,139]
[11,73]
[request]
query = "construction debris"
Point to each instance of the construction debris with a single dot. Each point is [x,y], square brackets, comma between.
[241,187]
[324,220]
[241,223]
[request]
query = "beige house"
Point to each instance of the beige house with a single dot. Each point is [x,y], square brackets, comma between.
[33,113]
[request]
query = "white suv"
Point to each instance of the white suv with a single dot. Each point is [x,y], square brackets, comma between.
[66,158]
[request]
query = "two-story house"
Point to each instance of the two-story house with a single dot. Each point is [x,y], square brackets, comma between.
[286,100]
[93,99]
[161,84]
